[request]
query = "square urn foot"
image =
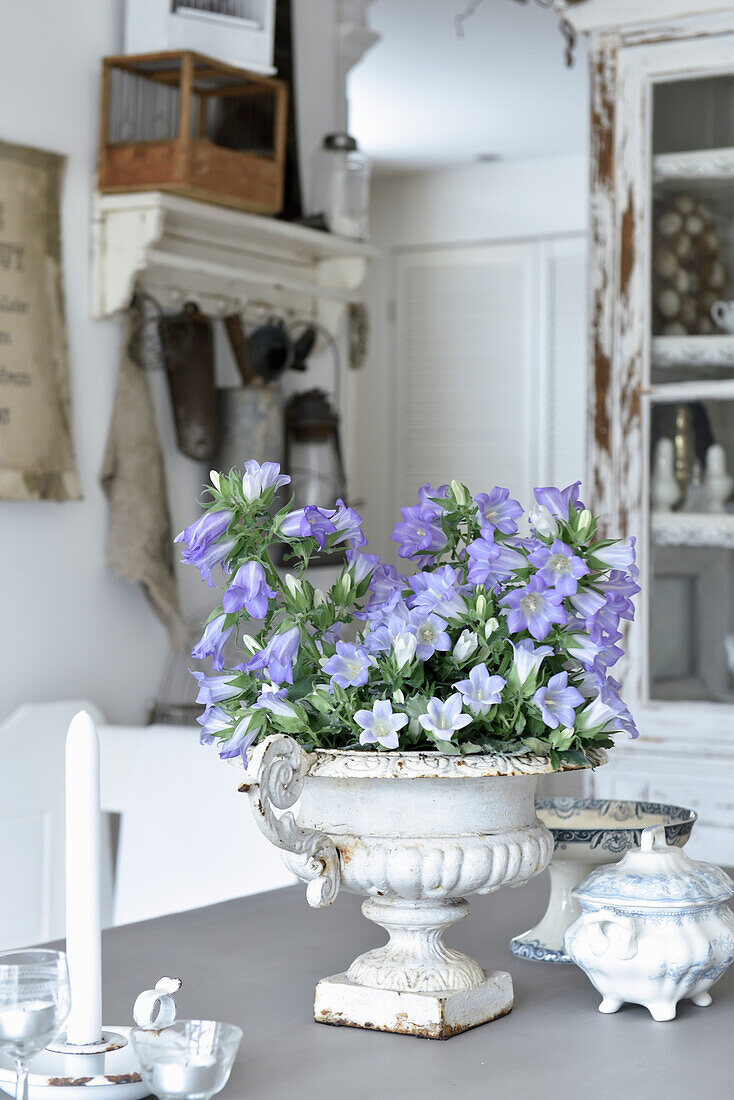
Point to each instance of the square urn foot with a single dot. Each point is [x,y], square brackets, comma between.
[343,1003]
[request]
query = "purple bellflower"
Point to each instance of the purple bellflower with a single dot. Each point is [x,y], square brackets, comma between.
[444,719]
[202,546]
[437,592]
[380,726]
[417,533]
[349,667]
[349,525]
[361,565]
[489,562]
[275,700]
[213,689]
[620,555]
[481,691]
[534,608]
[498,510]
[527,659]
[213,723]
[559,567]
[308,521]
[557,501]
[557,700]
[248,589]
[278,656]
[430,633]
[380,637]
[257,479]
[244,734]
[212,642]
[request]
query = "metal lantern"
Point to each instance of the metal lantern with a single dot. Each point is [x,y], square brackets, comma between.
[313,454]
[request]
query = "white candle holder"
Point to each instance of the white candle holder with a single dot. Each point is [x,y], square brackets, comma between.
[109,1070]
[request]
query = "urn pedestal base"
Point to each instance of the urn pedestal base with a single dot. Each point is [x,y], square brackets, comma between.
[440,1015]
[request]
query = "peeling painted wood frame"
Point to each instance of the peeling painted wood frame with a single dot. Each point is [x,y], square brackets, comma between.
[623,72]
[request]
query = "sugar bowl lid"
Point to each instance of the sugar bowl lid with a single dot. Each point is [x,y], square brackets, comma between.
[656,876]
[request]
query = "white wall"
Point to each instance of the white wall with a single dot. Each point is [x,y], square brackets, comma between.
[502,201]
[68,626]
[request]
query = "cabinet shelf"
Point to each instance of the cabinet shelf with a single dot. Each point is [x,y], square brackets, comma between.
[711,165]
[693,351]
[691,529]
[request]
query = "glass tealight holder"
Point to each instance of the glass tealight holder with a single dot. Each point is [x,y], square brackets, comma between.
[190,1060]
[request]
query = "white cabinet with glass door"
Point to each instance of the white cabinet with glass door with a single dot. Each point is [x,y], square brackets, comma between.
[662,392]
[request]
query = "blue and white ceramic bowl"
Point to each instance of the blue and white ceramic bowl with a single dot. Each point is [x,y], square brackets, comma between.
[589,832]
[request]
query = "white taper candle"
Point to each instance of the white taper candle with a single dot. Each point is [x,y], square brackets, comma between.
[83,865]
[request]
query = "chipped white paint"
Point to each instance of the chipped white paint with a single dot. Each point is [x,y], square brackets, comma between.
[416,833]
[633,44]
[155,1008]
[346,764]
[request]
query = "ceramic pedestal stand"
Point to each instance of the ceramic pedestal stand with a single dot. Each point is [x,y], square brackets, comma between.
[416,832]
[588,832]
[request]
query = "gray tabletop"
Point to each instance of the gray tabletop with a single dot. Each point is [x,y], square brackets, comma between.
[255,962]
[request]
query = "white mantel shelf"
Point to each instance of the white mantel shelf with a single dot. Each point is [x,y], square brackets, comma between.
[690,529]
[225,260]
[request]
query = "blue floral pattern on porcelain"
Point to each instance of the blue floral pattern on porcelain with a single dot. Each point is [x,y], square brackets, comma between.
[534,949]
[630,818]
[654,929]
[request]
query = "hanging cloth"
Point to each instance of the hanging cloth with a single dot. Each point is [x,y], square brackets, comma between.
[139,546]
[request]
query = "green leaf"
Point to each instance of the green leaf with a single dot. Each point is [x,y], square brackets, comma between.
[575,756]
[561,738]
[536,745]
[319,701]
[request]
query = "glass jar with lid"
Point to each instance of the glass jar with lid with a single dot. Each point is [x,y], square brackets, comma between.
[342,186]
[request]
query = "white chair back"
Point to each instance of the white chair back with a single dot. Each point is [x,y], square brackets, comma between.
[32,813]
[187,837]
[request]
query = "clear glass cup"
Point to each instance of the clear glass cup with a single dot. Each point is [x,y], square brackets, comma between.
[190,1060]
[34,1003]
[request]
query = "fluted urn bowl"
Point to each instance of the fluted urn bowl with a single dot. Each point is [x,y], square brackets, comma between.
[416,832]
[587,833]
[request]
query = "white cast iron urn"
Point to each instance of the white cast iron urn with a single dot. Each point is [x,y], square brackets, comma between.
[654,929]
[416,832]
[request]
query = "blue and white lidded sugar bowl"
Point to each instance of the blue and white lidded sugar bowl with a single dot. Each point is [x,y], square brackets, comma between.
[654,928]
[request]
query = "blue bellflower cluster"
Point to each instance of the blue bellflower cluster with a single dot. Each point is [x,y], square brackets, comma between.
[496,639]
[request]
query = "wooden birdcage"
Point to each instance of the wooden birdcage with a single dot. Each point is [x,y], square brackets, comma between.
[193,126]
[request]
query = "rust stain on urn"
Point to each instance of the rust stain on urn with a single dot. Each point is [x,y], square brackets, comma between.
[438,1030]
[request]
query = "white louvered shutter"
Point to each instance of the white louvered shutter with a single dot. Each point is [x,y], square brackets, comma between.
[463,352]
[565,284]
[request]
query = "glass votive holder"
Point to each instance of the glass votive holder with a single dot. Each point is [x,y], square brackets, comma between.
[190,1060]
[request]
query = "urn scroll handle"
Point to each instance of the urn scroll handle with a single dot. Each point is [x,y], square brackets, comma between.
[274,781]
[607,929]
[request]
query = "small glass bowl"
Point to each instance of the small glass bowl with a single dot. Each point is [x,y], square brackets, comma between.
[190,1060]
